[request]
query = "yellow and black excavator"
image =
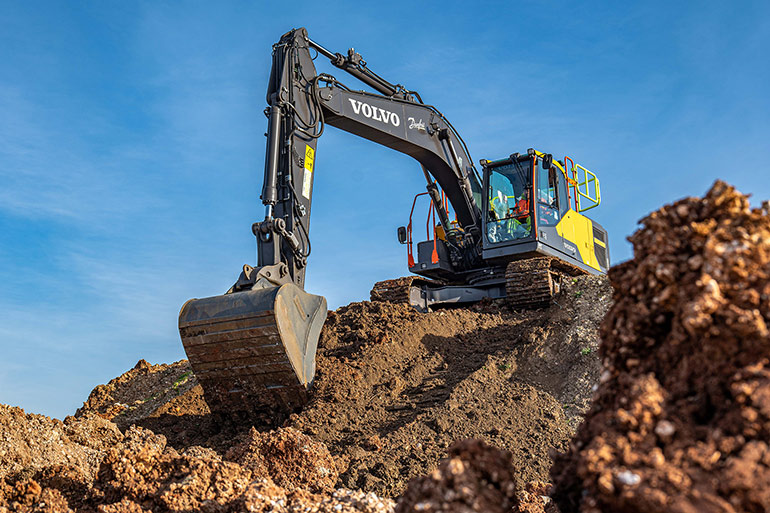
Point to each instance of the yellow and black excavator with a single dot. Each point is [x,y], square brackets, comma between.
[515,230]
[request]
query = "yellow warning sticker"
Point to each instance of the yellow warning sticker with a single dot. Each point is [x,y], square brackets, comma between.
[309,157]
[307,179]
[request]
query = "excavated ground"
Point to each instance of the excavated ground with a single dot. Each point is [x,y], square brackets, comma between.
[680,419]
[393,395]
[394,389]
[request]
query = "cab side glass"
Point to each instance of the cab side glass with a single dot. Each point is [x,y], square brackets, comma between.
[548,197]
[509,213]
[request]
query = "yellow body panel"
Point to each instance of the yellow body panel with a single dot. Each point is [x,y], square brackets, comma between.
[579,230]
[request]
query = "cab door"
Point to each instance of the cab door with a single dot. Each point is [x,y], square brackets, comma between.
[551,204]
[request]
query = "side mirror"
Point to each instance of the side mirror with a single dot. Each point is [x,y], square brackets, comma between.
[402,235]
[547,161]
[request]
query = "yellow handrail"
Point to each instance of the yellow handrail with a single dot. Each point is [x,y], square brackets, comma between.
[590,179]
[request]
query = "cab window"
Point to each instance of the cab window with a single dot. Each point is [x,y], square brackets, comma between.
[548,189]
[509,213]
[563,195]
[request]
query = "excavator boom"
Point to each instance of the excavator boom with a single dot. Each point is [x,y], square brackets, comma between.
[253,348]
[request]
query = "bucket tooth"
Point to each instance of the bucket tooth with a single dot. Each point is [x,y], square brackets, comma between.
[254,350]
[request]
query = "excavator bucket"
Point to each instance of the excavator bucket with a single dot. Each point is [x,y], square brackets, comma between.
[254,351]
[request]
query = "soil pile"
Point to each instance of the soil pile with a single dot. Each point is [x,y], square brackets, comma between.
[30,443]
[394,388]
[474,478]
[29,496]
[141,392]
[292,460]
[145,471]
[142,473]
[681,420]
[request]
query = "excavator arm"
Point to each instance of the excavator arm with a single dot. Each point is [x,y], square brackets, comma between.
[253,348]
[302,102]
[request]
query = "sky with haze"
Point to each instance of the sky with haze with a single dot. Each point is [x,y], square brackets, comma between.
[132,147]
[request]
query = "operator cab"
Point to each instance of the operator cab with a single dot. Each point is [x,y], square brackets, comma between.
[532,207]
[512,202]
[509,202]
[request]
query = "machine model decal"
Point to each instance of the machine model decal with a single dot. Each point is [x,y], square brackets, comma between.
[419,125]
[307,178]
[375,113]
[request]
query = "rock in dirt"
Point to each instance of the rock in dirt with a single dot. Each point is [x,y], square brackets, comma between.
[681,419]
[535,498]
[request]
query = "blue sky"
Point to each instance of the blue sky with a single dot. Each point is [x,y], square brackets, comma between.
[131,147]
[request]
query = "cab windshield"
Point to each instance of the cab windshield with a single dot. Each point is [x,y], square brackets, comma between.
[509,214]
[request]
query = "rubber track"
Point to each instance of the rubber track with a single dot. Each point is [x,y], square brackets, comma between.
[392,291]
[533,282]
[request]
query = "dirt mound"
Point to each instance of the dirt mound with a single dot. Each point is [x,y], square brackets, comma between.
[142,473]
[31,443]
[142,392]
[145,471]
[681,420]
[394,388]
[475,477]
[28,496]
